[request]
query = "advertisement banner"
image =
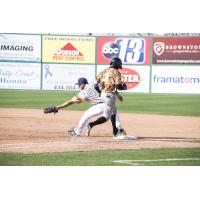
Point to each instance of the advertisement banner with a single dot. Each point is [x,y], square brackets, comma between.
[69,49]
[129,50]
[136,77]
[64,77]
[176,50]
[20,75]
[24,48]
[176,79]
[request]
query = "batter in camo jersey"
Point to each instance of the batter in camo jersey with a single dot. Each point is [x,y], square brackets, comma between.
[110,81]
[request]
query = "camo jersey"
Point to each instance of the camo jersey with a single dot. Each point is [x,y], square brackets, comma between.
[108,79]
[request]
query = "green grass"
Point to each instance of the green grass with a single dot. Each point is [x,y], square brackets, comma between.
[36,99]
[102,158]
[187,105]
[161,104]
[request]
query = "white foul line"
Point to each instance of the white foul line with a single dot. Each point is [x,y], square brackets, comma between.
[135,162]
[41,144]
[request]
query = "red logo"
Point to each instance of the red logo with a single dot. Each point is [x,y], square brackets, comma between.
[183,50]
[130,77]
[129,50]
[68,50]
[68,53]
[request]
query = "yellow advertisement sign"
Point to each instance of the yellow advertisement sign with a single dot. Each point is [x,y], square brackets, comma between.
[68,49]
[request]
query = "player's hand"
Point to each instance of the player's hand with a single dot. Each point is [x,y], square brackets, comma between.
[76,100]
[120,97]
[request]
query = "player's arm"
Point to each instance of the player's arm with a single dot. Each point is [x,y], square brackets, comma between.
[119,96]
[66,104]
[119,84]
[76,99]
[54,109]
[122,86]
[97,87]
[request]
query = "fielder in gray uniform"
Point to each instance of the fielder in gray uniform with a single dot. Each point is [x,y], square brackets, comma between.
[90,94]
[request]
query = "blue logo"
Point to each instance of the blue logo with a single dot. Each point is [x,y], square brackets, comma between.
[111,50]
[130,51]
[176,80]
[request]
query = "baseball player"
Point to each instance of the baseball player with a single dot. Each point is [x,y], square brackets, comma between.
[87,93]
[110,81]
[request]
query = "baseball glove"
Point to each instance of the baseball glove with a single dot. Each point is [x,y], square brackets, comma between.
[52,109]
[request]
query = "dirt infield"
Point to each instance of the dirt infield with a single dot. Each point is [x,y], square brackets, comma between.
[31,131]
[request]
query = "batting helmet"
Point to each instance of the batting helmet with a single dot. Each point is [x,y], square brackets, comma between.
[116,63]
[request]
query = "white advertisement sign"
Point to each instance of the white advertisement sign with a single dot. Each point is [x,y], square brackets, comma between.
[15,47]
[176,79]
[136,77]
[20,75]
[64,76]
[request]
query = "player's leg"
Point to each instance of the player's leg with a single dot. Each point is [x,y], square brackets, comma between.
[106,113]
[118,122]
[109,100]
[113,120]
[91,112]
[119,125]
[120,134]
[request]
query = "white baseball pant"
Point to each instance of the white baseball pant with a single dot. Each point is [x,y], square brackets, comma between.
[98,109]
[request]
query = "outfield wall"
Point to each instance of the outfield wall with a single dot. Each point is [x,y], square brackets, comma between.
[55,62]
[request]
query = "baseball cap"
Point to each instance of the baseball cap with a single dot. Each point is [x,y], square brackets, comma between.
[82,80]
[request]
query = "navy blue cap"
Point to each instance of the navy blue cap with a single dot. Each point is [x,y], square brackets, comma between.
[82,80]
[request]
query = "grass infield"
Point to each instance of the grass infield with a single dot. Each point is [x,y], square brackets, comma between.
[175,157]
[183,105]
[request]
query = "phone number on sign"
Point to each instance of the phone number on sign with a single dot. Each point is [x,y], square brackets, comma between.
[65,87]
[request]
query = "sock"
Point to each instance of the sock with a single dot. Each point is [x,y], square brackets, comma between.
[100,120]
[113,120]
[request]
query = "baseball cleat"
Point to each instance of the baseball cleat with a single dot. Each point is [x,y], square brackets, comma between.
[87,130]
[72,132]
[122,131]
